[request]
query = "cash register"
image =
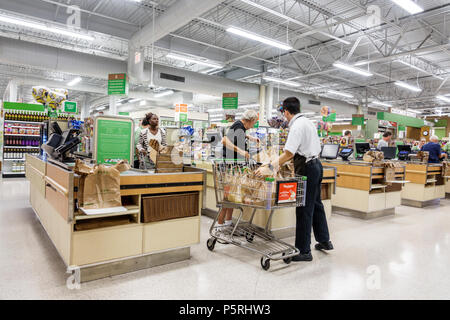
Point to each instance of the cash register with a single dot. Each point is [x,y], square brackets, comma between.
[403,152]
[345,153]
[361,149]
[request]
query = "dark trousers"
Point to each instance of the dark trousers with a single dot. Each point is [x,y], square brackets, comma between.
[312,215]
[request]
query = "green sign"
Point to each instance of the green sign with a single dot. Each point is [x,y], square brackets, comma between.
[118,84]
[124,113]
[400,119]
[113,140]
[23,106]
[183,117]
[70,106]
[52,114]
[358,121]
[330,118]
[187,123]
[230,100]
[401,128]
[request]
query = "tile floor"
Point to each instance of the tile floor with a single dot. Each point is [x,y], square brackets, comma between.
[408,253]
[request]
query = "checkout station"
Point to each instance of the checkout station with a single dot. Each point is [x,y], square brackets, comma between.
[157,222]
[362,190]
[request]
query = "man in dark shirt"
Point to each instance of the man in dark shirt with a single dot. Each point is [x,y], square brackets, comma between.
[235,147]
[434,149]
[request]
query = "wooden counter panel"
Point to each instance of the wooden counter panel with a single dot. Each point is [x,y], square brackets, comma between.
[36,179]
[129,192]
[161,178]
[329,172]
[62,177]
[38,164]
[58,201]
[353,177]
[99,245]
[170,234]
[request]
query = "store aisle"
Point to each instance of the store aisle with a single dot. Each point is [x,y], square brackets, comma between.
[410,252]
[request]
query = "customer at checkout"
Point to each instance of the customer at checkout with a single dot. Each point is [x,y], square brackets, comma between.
[235,147]
[434,149]
[303,145]
[137,133]
[148,138]
[384,142]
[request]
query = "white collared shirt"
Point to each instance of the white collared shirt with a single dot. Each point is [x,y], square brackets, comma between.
[303,138]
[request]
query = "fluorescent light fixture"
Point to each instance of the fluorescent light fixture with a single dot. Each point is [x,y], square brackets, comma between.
[133,100]
[74,81]
[286,82]
[164,93]
[215,110]
[408,5]
[246,106]
[256,37]
[383,104]
[445,99]
[414,111]
[347,67]
[193,60]
[407,86]
[340,94]
[101,108]
[143,103]
[43,27]
[417,68]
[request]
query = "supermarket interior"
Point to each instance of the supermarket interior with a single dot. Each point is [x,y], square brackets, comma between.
[224,149]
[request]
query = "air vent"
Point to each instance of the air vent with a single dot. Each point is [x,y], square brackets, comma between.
[171,77]
[315,102]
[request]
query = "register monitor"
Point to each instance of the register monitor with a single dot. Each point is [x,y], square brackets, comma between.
[404,151]
[329,151]
[345,153]
[361,148]
[389,152]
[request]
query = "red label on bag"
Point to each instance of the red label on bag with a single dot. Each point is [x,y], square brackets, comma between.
[287,192]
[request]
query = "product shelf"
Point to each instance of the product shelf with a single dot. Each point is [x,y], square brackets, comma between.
[18,121]
[22,135]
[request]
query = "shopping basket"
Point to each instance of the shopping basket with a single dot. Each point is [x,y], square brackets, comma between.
[237,187]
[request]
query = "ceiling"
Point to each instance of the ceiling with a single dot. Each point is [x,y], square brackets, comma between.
[320,32]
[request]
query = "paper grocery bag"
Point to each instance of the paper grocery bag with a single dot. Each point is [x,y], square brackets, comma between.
[446,169]
[389,175]
[100,185]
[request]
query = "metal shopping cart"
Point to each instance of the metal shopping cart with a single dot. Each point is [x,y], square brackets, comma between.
[237,187]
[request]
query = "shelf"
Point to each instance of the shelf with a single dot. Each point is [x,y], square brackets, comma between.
[13,159]
[378,186]
[9,173]
[132,209]
[18,121]
[22,135]
[18,147]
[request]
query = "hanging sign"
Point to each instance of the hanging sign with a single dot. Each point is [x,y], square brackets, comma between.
[181,112]
[230,100]
[70,107]
[118,84]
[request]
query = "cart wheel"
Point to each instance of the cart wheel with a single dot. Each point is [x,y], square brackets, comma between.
[249,236]
[211,243]
[265,263]
[287,260]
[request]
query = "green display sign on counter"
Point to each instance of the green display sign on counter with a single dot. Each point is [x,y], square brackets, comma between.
[118,84]
[183,117]
[113,139]
[70,107]
[230,100]
[124,113]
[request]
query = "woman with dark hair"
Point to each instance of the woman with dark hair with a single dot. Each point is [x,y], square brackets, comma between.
[151,137]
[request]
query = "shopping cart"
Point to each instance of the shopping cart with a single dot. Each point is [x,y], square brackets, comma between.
[237,187]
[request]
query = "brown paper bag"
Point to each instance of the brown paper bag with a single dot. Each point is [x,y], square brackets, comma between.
[446,169]
[101,185]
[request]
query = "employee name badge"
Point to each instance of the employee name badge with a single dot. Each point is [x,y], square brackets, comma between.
[287,191]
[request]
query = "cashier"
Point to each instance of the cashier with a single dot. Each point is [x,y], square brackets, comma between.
[384,142]
[303,145]
[434,150]
[151,137]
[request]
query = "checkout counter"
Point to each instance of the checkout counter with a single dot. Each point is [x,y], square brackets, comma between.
[284,220]
[362,190]
[427,185]
[151,231]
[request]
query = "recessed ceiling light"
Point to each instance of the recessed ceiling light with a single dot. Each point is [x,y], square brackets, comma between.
[408,5]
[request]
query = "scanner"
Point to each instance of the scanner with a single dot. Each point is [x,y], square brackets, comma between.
[345,153]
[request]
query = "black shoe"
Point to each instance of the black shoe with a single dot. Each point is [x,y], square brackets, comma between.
[324,246]
[303,257]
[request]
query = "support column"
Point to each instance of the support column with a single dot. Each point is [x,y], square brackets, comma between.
[112,105]
[11,92]
[262,105]
[269,103]
[84,107]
